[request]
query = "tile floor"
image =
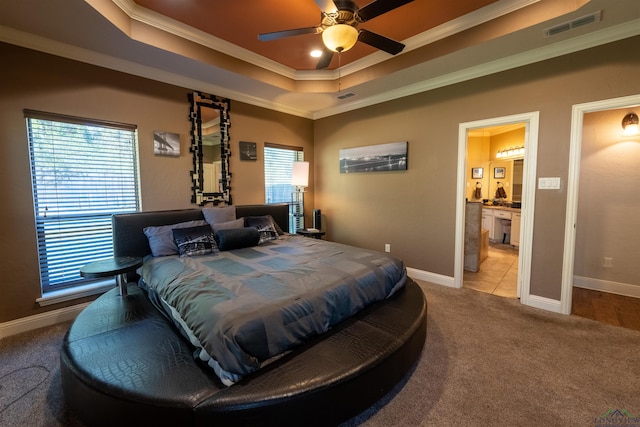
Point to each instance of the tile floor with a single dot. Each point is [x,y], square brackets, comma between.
[498,273]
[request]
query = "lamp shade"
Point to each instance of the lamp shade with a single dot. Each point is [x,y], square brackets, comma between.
[630,125]
[300,174]
[340,37]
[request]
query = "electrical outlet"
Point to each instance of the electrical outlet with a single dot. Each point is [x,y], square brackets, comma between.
[387,247]
[607,262]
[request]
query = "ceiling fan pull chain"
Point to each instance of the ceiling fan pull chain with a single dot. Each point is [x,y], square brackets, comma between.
[339,65]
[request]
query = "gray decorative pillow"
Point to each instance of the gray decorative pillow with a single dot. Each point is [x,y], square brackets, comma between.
[237,238]
[219,214]
[236,223]
[265,226]
[195,240]
[161,238]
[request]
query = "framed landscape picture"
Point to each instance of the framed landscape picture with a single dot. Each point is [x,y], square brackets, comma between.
[476,173]
[374,158]
[498,173]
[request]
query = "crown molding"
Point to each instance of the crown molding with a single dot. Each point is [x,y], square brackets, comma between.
[64,50]
[596,38]
[560,48]
[495,130]
[448,29]
[171,26]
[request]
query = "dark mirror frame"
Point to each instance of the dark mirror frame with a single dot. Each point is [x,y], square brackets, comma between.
[198,101]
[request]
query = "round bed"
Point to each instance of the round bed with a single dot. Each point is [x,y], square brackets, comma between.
[124,363]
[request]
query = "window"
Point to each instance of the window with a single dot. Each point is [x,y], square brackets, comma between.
[82,172]
[278,166]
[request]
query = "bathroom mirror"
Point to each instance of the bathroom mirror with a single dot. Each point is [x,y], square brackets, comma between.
[210,149]
[511,181]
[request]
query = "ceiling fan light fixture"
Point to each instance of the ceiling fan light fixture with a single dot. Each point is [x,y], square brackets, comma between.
[630,126]
[340,37]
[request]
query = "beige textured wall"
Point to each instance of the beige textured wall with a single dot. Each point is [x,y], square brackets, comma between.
[38,81]
[254,124]
[42,82]
[414,211]
[608,200]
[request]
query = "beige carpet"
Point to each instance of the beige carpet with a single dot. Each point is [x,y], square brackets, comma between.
[488,361]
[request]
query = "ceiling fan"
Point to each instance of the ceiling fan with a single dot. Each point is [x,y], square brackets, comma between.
[339,27]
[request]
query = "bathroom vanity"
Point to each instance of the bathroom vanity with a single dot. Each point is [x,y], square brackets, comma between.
[499,219]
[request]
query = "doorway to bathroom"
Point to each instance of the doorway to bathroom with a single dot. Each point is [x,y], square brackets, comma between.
[496,176]
[495,155]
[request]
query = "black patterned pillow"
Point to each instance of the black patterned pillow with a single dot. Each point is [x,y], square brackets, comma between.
[265,227]
[195,240]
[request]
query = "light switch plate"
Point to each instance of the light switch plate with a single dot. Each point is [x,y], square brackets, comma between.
[549,183]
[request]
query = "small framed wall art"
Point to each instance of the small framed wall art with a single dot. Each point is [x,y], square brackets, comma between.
[476,173]
[248,151]
[498,172]
[166,144]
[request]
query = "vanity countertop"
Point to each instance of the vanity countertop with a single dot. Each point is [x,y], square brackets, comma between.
[502,208]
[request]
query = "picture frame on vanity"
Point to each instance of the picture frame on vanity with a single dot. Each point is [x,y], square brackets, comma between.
[499,173]
[477,173]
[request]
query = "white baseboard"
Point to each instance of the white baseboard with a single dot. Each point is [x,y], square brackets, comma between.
[542,303]
[438,279]
[41,320]
[618,288]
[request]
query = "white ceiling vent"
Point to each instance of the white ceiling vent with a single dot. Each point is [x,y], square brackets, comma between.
[346,95]
[591,18]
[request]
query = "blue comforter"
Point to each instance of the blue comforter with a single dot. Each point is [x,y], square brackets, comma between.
[246,307]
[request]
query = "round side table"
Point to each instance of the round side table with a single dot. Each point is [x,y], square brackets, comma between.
[118,267]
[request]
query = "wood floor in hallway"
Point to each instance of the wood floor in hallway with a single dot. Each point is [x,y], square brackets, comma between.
[498,275]
[606,307]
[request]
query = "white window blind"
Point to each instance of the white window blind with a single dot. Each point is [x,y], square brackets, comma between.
[82,171]
[278,167]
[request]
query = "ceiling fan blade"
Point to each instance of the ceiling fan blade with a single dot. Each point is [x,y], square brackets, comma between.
[325,59]
[265,37]
[378,7]
[381,42]
[327,6]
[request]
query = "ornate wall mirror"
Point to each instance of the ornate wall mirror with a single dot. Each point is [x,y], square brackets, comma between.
[210,148]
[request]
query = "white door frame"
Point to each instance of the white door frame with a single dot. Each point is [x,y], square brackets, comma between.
[573,181]
[531,121]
